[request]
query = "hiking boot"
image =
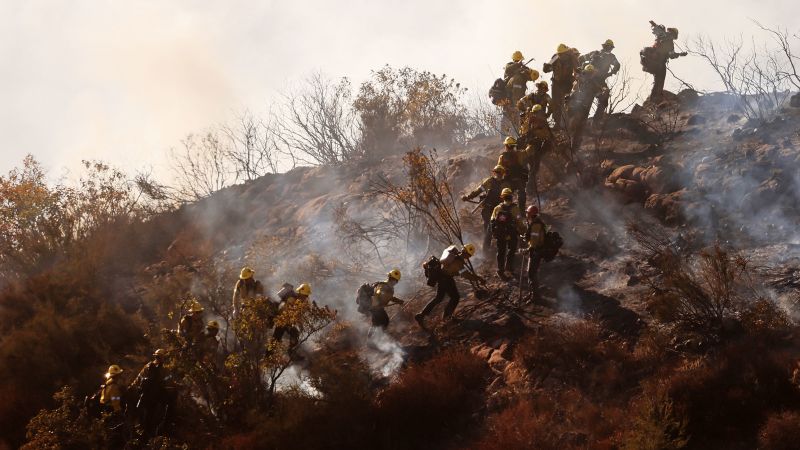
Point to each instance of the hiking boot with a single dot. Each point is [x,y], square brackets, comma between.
[420,320]
[502,275]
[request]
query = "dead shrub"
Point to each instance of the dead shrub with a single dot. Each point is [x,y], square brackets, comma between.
[577,354]
[780,432]
[563,420]
[431,401]
[725,397]
[654,423]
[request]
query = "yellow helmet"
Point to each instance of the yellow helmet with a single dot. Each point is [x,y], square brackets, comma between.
[534,74]
[469,249]
[588,68]
[213,324]
[506,192]
[113,370]
[509,140]
[246,273]
[608,43]
[517,56]
[542,84]
[499,169]
[196,307]
[160,352]
[394,274]
[562,48]
[304,289]
[536,108]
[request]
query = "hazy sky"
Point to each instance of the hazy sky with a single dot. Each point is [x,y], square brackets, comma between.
[125,80]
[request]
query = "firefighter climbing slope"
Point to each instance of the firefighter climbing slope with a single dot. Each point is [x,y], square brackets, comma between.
[489,191]
[506,227]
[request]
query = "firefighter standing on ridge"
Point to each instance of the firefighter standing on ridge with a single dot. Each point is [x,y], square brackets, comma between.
[517,86]
[112,390]
[563,65]
[191,326]
[540,97]
[654,59]
[605,65]
[489,190]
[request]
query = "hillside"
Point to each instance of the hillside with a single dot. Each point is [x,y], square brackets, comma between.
[609,357]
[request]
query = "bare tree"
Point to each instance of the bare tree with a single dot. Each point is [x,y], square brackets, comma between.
[318,125]
[782,39]
[622,96]
[201,167]
[252,146]
[757,77]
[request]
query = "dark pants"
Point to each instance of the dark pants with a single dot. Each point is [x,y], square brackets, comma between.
[294,334]
[380,318]
[533,270]
[602,105]
[540,148]
[486,215]
[560,90]
[506,250]
[659,76]
[445,287]
[518,186]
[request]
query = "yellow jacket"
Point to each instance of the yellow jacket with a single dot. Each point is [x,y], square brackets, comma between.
[111,395]
[534,235]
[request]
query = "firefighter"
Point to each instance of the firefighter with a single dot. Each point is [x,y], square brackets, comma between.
[210,338]
[506,227]
[541,142]
[514,66]
[246,288]
[300,295]
[111,393]
[453,264]
[155,403]
[563,64]
[191,325]
[534,237]
[517,86]
[605,65]
[489,191]
[655,59]
[540,97]
[516,164]
[588,85]
[384,296]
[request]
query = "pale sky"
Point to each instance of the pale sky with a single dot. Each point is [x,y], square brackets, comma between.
[125,80]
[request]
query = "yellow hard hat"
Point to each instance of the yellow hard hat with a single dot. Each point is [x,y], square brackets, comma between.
[304,289]
[542,84]
[246,273]
[160,352]
[536,108]
[517,56]
[562,48]
[196,307]
[470,249]
[499,169]
[113,370]
[588,68]
[213,324]
[608,43]
[509,140]
[534,74]
[506,192]
[394,274]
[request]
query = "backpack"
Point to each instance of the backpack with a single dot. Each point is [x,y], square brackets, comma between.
[649,59]
[498,92]
[552,244]
[433,269]
[364,297]
[503,223]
